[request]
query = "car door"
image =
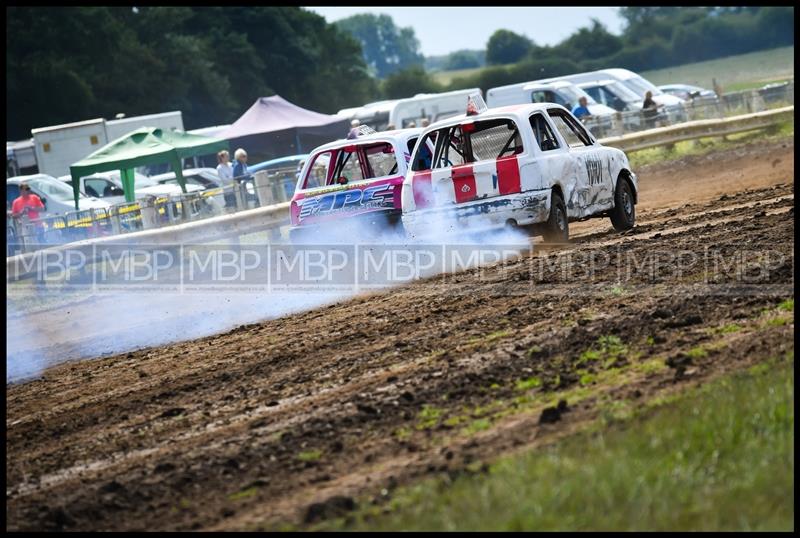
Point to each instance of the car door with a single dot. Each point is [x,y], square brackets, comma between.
[592,192]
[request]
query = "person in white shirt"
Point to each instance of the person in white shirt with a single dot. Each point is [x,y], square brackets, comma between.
[224,169]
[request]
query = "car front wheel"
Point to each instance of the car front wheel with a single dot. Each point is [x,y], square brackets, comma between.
[623,216]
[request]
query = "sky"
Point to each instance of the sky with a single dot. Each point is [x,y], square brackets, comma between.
[442,30]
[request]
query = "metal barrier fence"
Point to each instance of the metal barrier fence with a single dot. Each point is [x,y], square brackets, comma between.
[700,108]
[24,235]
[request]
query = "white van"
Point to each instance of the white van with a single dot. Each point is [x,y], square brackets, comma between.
[560,92]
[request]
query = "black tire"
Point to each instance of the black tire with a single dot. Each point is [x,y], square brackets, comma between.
[623,216]
[556,229]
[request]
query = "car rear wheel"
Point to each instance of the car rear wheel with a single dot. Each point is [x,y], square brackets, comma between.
[623,216]
[556,229]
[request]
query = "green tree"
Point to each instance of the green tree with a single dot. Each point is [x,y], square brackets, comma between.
[505,47]
[386,47]
[463,59]
[408,83]
[591,43]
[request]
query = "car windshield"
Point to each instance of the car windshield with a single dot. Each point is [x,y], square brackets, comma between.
[574,94]
[623,92]
[54,189]
[640,86]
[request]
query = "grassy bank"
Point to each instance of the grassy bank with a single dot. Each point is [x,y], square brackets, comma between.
[703,146]
[733,73]
[717,457]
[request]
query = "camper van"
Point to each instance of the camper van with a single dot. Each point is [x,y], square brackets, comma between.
[401,113]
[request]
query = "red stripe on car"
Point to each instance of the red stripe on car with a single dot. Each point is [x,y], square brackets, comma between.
[464,183]
[508,175]
[421,187]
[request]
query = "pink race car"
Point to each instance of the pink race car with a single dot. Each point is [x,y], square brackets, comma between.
[357,181]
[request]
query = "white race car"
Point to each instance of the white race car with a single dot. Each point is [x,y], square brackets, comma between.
[532,166]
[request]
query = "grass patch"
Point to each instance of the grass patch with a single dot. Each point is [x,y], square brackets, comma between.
[787,305]
[476,426]
[733,73]
[702,461]
[491,337]
[726,329]
[310,455]
[697,353]
[244,494]
[428,417]
[528,384]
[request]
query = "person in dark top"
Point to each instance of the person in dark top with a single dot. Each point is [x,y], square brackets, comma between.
[650,110]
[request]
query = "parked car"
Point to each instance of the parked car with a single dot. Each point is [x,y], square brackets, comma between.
[108,186]
[531,166]
[687,92]
[356,181]
[200,179]
[56,196]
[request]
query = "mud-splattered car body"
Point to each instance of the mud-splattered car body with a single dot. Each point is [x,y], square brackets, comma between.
[358,178]
[502,166]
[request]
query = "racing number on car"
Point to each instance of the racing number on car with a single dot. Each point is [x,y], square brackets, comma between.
[594,169]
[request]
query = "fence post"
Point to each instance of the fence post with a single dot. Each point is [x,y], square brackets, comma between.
[148,209]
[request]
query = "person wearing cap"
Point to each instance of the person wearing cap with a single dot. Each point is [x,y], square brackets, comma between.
[354,125]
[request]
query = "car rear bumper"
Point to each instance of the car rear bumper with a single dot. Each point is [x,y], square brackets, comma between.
[529,207]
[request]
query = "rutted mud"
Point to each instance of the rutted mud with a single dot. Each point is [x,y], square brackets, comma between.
[296,419]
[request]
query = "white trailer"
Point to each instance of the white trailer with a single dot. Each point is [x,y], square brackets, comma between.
[59,146]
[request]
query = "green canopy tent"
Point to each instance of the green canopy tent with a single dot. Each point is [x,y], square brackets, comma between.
[147,145]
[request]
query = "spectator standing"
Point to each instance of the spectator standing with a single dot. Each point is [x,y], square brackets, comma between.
[425,122]
[224,169]
[581,111]
[28,204]
[650,110]
[354,125]
[240,168]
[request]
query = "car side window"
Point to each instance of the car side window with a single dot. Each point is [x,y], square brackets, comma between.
[348,167]
[424,157]
[318,171]
[450,148]
[573,133]
[543,133]
[494,139]
[381,158]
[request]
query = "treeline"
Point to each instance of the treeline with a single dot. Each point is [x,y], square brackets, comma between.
[653,38]
[66,64]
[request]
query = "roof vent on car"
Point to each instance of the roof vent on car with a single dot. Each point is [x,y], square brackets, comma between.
[475,104]
[365,130]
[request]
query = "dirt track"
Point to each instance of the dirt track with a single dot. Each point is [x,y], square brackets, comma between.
[289,419]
